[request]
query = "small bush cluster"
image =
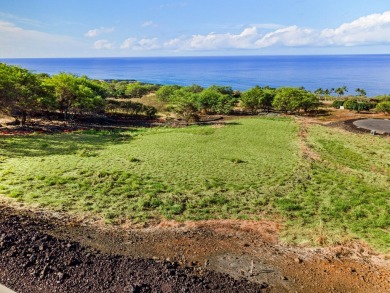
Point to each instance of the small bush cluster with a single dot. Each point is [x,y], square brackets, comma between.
[130,108]
[383,107]
[354,104]
[188,102]
[358,106]
[338,103]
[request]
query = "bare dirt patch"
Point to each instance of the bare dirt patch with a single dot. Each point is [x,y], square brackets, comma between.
[344,119]
[46,254]
[33,260]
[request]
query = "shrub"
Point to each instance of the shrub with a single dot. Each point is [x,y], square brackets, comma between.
[256,98]
[129,107]
[289,99]
[166,92]
[214,100]
[337,104]
[383,98]
[354,105]
[383,107]
[137,90]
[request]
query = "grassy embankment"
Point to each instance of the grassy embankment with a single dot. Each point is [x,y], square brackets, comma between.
[250,169]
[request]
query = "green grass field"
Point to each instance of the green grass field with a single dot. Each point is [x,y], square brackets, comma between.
[247,169]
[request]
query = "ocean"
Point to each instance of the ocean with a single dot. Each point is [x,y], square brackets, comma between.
[369,72]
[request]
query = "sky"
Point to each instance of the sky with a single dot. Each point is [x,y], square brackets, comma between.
[125,28]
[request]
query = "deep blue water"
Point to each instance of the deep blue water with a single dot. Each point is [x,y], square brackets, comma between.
[370,72]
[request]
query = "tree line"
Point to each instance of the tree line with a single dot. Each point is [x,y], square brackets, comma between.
[24,94]
[190,101]
[358,104]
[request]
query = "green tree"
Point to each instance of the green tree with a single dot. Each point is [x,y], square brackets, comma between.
[64,88]
[258,98]
[338,103]
[308,101]
[358,106]
[250,99]
[21,92]
[7,83]
[320,93]
[293,99]
[195,88]
[224,90]
[267,98]
[90,96]
[383,98]
[136,90]
[213,101]
[185,105]
[341,90]
[166,92]
[327,92]
[383,107]
[284,99]
[119,89]
[208,100]
[361,92]
[76,95]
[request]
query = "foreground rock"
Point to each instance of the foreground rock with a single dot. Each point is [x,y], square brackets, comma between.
[32,261]
[39,253]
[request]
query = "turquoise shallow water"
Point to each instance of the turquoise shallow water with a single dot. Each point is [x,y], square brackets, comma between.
[370,72]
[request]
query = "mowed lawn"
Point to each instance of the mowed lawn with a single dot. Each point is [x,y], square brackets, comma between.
[248,169]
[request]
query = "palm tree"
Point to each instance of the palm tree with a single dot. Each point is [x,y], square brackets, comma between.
[341,90]
[320,93]
[361,92]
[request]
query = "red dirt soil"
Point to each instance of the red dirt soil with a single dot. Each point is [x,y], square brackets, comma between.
[40,252]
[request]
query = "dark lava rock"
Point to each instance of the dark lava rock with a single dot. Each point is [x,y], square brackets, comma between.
[33,261]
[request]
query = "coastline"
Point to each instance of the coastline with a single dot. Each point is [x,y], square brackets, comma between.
[370,72]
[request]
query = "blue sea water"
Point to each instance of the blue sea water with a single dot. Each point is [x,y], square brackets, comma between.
[370,72]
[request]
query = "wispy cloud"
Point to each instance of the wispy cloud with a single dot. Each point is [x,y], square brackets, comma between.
[290,36]
[148,44]
[370,30]
[149,23]
[18,42]
[373,29]
[20,20]
[213,41]
[142,44]
[98,31]
[103,45]
[129,43]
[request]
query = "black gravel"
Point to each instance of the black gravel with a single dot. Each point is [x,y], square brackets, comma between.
[33,261]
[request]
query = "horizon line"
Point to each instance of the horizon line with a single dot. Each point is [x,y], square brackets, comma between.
[202,56]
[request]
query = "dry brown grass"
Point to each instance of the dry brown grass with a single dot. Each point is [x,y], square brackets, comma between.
[151,100]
